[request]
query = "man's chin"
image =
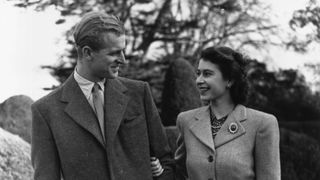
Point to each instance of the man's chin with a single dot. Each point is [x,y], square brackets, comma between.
[112,76]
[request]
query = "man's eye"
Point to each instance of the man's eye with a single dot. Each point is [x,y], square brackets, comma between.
[198,73]
[113,53]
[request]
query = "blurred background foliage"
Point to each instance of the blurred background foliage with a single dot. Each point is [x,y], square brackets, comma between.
[164,38]
[161,32]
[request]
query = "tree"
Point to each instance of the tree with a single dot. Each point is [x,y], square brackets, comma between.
[283,93]
[184,27]
[309,17]
[315,70]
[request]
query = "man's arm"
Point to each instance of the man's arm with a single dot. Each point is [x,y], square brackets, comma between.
[159,146]
[44,155]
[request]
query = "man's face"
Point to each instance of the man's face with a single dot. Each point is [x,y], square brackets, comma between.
[105,62]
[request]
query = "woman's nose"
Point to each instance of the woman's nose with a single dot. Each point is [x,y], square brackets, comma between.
[199,79]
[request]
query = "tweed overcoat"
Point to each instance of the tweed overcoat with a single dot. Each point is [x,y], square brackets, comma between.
[247,151]
[67,141]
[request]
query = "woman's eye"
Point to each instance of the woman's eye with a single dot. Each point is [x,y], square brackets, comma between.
[206,74]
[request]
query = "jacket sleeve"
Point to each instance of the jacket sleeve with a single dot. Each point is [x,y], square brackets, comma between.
[267,155]
[159,146]
[180,154]
[44,155]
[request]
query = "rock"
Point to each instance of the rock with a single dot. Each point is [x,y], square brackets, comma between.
[15,162]
[16,116]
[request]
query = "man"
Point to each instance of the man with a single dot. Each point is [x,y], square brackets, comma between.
[97,125]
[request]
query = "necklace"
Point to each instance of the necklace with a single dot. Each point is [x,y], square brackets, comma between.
[216,123]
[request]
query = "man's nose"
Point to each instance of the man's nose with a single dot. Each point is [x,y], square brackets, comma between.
[122,59]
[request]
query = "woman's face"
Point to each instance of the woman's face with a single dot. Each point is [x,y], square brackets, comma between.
[210,82]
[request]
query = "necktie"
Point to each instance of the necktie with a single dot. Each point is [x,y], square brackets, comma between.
[97,97]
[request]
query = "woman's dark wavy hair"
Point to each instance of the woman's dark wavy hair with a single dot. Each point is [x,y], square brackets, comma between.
[232,65]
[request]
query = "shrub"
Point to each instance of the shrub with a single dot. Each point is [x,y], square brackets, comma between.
[180,92]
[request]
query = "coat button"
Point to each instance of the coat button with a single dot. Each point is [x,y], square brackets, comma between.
[210,158]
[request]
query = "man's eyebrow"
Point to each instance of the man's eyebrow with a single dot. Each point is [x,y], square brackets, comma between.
[115,51]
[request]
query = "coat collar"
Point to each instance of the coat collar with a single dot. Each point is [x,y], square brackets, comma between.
[225,134]
[81,112]
[201,127]
[116,102]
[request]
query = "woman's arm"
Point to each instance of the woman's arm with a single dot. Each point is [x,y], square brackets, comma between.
[267,155]
[180,154]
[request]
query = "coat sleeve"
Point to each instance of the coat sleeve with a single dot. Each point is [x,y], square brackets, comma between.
[159,146]
[180,154]
[267,155]
[44,155]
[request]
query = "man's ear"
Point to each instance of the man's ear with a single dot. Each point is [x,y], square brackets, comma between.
[86,52]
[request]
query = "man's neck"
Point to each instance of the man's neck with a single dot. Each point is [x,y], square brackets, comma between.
[85,74]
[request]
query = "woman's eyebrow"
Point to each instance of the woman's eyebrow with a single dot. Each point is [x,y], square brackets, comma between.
[207,70]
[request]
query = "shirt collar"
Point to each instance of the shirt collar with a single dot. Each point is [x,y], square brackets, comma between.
[87,85]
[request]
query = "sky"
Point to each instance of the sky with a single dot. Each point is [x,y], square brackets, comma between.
[282,12]
[31,39]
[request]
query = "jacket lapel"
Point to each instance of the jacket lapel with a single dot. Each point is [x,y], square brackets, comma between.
[201,127]
[225,135]
[116,102]
[79,109]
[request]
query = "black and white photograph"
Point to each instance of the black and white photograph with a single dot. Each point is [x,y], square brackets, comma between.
[160,90]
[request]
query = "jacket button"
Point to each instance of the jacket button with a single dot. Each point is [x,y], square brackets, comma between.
[210,158]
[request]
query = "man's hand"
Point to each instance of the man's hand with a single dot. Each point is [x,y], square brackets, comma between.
[156,167]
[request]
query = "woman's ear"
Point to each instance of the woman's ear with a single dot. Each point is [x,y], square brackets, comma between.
[230,83]
[86,52]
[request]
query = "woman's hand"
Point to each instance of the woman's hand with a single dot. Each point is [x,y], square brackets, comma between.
[156,167]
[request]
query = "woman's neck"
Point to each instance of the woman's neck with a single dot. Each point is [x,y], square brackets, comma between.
[221,108]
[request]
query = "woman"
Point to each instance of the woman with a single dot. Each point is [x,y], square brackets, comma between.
[226,140]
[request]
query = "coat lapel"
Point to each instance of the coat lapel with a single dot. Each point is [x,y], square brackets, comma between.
[116,102]
[201,127]
[224,135]
[79,109]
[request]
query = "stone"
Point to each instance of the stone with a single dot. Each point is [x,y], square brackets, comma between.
[16,116]
[15,161]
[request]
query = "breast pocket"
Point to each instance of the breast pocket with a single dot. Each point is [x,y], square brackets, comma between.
[133,120]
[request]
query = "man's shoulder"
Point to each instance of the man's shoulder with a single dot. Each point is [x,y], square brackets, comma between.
[49,98]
